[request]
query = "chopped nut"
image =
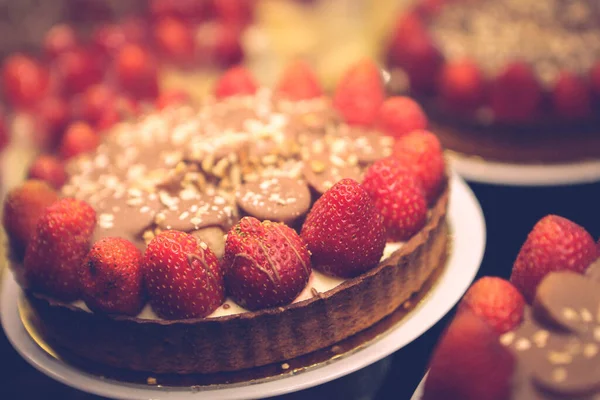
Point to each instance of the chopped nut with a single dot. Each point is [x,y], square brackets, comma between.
[317,166]
[220,168]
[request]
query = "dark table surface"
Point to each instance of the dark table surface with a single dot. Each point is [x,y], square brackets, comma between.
[510,213]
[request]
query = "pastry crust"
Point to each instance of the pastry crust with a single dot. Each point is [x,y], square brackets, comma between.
[250,339]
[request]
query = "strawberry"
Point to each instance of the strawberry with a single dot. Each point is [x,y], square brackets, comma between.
[400,115]
[174,39]
[266,264]
[571,97]
[95,100]
[515,94]
[53,115]
[469,363]
[398,195]
[79,68]
[59,39]
[108,39]
[360,93]
[235,81]
[234,12]
[299,82]
[409,27]
[461,86]
[57,248]
[23,207]
[344,231]
[422,152]
[50,169]
[111,277]
[78,138]
[171,98]
[183,276]
[554,244]
[497,301]
[136,71]
[24,80]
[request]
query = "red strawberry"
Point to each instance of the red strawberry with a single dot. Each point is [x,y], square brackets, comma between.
[266,264]
[497,301]
[238,12]
[22,209]
[111,277]
[469,363]
[79,138]
[554,244]
[183,276]
[399,197]
[422,152]
[171,98]
[95,100]
[571,96]
[78,69]
[235,81]
[299,82]
[58,246]
[515,94]
[409,26]
[136,71]
[344,231]
[109,38]
[218,42]
[461,86]
[174,39]
[401,115]
[50,169]
[24,80]
[59,39]
[360,93]
[53,115]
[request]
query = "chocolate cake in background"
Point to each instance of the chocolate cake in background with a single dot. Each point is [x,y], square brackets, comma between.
[504,80]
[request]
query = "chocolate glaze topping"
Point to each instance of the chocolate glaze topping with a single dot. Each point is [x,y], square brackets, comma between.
[550,35]
[558,343]
[200,169]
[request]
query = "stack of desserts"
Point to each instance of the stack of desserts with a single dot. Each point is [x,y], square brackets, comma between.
[259,226]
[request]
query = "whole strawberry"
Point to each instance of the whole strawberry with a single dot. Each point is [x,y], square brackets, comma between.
[50,169]
[111,277]
[462,86]
[571,96]
[235,81]
[422,152]
[360,93]
[22,208]
[400,115]
[266,264]
[182,275]
[497,301]
[515,94]
[299,82]
[398,195]
[58,246]
[554,244]
[469,363]
[78,138]
[344,231]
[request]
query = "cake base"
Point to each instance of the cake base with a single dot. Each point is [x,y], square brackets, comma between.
[251,339]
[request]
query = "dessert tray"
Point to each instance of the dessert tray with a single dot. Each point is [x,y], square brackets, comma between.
[468,243]
[476,169]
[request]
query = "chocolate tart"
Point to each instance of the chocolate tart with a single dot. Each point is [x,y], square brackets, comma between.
[165,172]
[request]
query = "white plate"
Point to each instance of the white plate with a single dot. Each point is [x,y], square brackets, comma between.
[477,170]
[468,229]
[418,394]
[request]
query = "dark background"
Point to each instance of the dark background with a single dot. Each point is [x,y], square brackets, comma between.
[510,213]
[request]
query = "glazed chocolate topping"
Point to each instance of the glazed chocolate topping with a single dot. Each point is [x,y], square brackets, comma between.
[193,169]
[558,344]
[550,35]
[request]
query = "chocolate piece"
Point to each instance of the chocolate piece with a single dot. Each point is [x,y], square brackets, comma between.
[368,145]
[275,199]
[190,210]
[558,343]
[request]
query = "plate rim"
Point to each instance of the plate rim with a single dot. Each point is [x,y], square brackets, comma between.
[468,229]
[476,169]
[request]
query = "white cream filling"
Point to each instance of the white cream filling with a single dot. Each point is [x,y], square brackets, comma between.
[318,281]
